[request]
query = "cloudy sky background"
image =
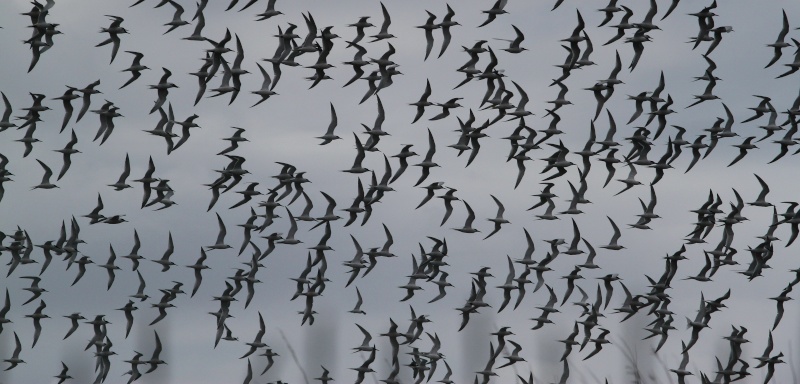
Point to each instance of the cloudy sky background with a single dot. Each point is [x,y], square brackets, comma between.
[283,129]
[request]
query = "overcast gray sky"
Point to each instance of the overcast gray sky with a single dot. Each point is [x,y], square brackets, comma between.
[283,129]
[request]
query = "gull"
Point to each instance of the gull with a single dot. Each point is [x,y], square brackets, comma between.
[270,12]
[445,25]
[135,69]
[177,21]
[163,129]
[609,10]
[446,107]
[162,307]
[761,199]
[571,282]
[795,65]
[612,245]
[140,291]
[234,140]
[520,158]
[496,10]
[365,347]
[88,91]
[81,268]
[257,343]
[164,260]
[247,194]
[162,87]
[598,343]
[357,62]
[707,94]
[441,283]
[376,131]
[612,77]
[120,184]
[546,310]
[771,366]
[67,152]
[107,113]
[270,359]
[498,220]
[63,376]
[371,79]
[28,139]
[248,227]
[201,75]
[711,67]
[197,34]
[289,239]
[265,92]
[357,309]
[411,286]
[14,360]
[696,146]
[354,209]
[66,100]
[745,146]
[249,375]
[6,124]
[514,357]
[113,30]
[576,238]
[559,101]
[780,300]
[128,310]
[514,46]
[45,184]
[574,39]
[548,214]
[764,358]
[785,142]
[329,136]
[638,40]
[37,316]
[569,342]
[429,26]
[404,154]
[384,32]
[763,107]
[110,267]
[427,163]
[364,368]
[155,360]
[198,267]
[779,42]
[520,112]
[647,24]
[467,228]
[134,256]
[630,182]
[622,26]
[718,37]
[639,99]
[329,215]
[225,85]
[544,196]
[701,276]
[4,311]
[448,199]
[34,289]
[361,153]
[423,102]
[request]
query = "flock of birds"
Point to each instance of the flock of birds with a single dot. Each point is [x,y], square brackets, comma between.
[505,104]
